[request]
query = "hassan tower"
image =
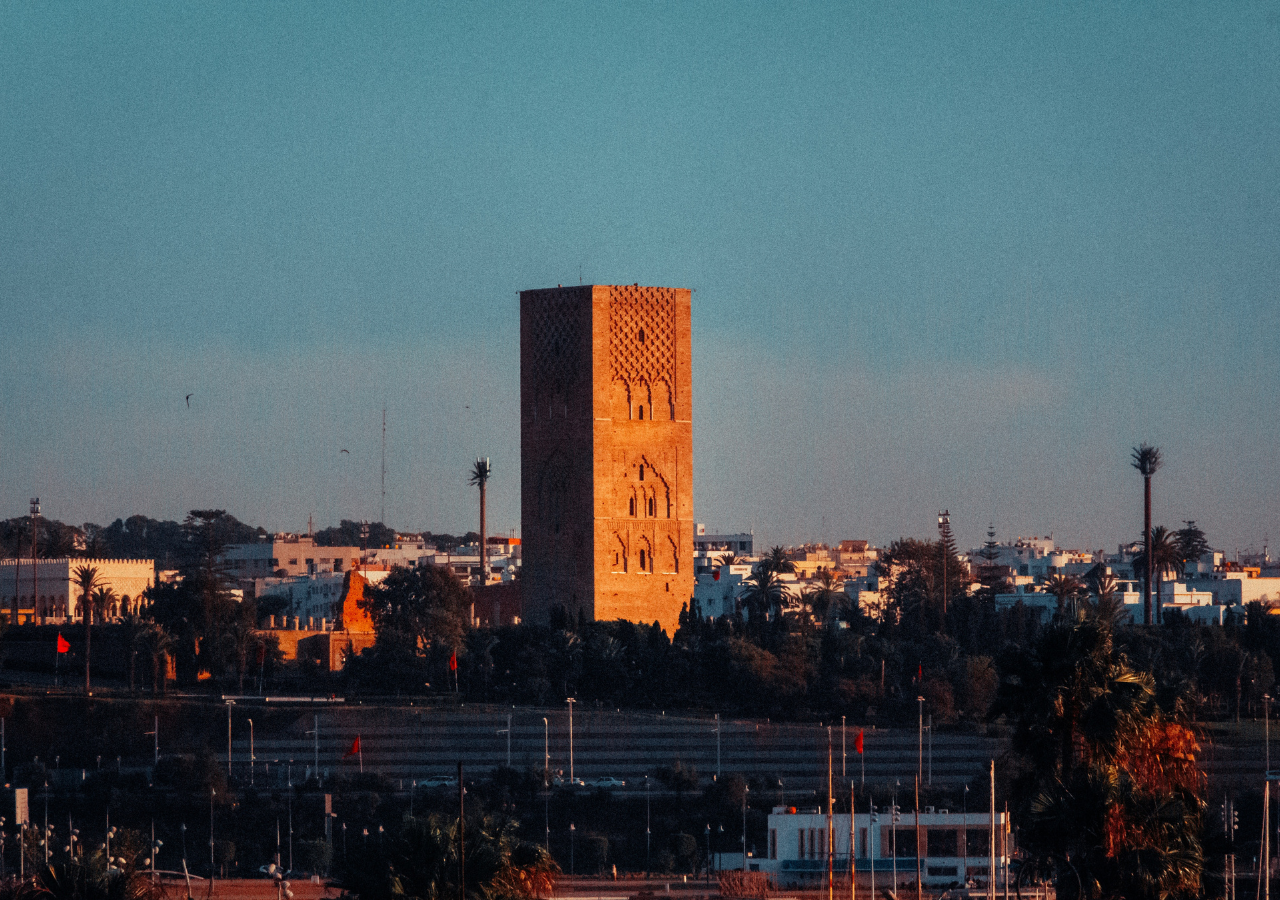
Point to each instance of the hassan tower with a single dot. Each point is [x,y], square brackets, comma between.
[606,453]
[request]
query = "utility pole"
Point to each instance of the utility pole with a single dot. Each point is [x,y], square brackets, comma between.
[717,746]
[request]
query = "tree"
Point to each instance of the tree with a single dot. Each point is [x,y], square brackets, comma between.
[1146,459]
[1191,543]
[1066,588]
[764,594]
[86,578]
[825,597]
[1165,559]
[421,856]
[480,478]
[777,561]
[1110,795]
[158,646]
[419,616]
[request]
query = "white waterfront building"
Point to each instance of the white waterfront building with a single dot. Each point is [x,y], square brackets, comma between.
[957,848]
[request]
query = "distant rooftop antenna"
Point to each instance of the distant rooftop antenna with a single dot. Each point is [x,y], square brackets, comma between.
[382,514]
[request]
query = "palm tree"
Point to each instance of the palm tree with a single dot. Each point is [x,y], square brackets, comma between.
[1110,790]
[1146,459]
[728,559]
[86,579]
[777,562]
[764,593]
[1067,588]
[1166,559]
[480,478]
[158,645]
[825,597]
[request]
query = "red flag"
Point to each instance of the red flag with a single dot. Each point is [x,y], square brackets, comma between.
[715,576]
[857,745]
[920,672]
[63,646]
[355,749]
[453,662]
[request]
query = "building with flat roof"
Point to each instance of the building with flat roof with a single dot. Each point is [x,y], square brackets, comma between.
[955,848]
[47,592]
[606,452]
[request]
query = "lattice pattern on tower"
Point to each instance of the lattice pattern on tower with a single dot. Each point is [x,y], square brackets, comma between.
[642,335]
[558,326]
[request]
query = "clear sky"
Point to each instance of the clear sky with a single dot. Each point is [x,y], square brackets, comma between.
[956,256]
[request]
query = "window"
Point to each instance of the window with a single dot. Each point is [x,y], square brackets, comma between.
[942,842]
[642,467]
[641,416]
[643,565]
[773,843]
[631,506]
[801,856]
[641,335]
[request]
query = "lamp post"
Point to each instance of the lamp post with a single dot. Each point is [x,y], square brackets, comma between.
[745,791]
[251,756]
[647,832]
[920,739]
[571,865]
[570,701]
[230,703]
[546,783]
[708,856]
[212,863]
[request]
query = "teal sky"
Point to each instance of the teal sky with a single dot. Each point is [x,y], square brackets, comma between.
[958,256]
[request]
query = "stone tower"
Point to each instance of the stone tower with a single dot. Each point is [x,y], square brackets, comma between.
[606,452]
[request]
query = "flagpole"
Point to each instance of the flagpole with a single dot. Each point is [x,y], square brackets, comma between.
[853,844]
[360,753]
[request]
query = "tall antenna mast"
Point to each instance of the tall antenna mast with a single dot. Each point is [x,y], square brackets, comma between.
[383,513]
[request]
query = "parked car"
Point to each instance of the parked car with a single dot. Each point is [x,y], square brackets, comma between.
[437,781]
[565,782]
[606,782]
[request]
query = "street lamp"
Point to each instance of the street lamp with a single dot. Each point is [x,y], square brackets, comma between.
[647,832]
[920,740]
[745,791]
[570,701]
[251,756]
[708,856]
[571,833]
[546,783]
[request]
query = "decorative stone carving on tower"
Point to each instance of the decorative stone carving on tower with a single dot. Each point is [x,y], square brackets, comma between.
[606,452]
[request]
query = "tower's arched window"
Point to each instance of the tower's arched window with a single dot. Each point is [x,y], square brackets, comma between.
[643,562]
[642,335]
[641,416]
[642,471]
[631,506]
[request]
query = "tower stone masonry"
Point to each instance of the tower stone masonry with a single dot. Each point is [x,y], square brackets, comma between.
[606,453]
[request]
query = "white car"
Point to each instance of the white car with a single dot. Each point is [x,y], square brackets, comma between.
[607,782]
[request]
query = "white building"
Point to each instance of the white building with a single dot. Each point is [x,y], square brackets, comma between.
[956,848]
[47,592]
[313,599]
